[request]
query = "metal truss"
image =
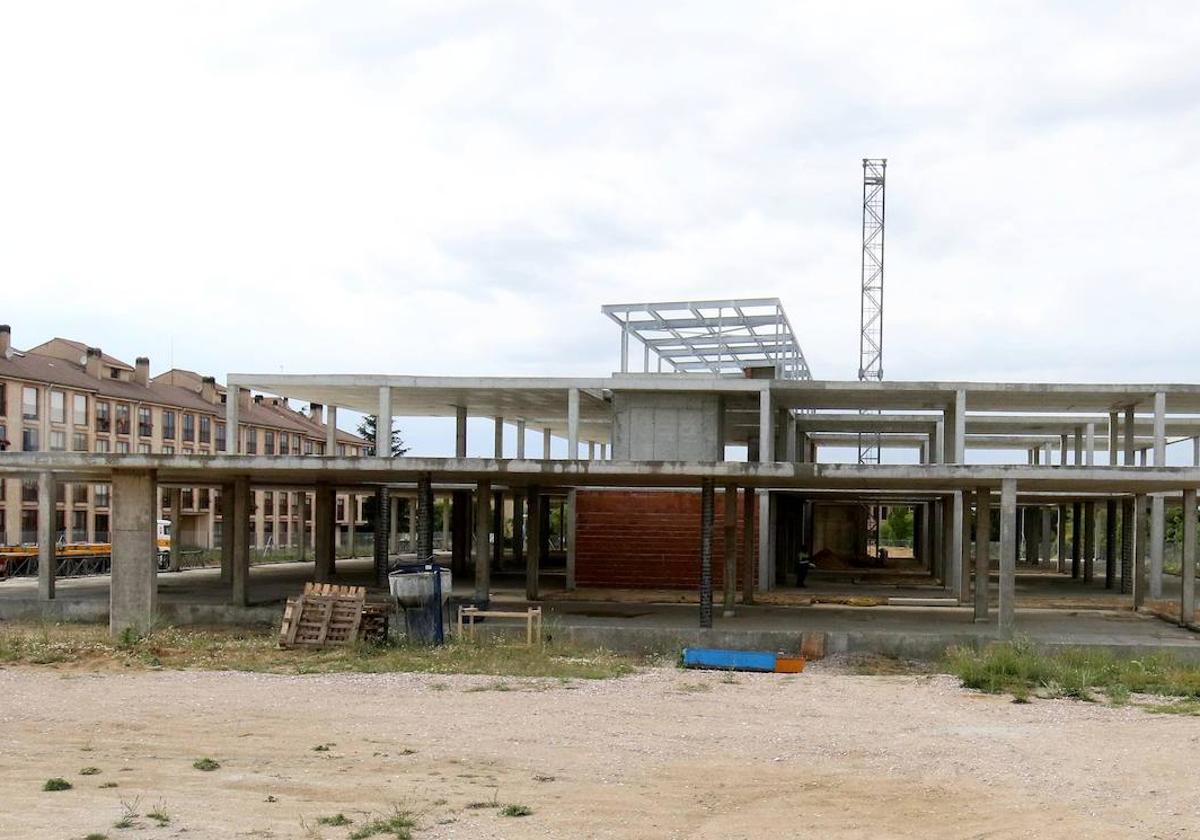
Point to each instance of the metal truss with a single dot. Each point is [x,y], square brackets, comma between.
[724,337]
[870,341]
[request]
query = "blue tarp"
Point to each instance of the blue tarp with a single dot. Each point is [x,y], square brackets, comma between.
[729,660]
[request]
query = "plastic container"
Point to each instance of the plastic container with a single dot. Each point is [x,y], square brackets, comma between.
[413,585]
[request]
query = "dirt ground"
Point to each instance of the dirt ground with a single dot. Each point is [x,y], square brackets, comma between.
[661,754]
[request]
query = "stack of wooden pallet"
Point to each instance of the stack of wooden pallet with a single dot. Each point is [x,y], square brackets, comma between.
[327,615]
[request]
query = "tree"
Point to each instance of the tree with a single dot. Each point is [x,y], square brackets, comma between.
[899,524]
[366,431]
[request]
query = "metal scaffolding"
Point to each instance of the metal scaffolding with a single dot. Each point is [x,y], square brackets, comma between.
[724,337]
[870,339]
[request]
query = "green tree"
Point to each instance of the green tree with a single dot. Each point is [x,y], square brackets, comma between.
[366,431]
[898,526]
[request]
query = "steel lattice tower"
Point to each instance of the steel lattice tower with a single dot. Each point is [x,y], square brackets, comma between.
[870,337]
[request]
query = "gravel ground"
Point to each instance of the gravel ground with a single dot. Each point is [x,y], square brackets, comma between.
[662,754]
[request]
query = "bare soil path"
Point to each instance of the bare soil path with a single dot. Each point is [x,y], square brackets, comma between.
[662,754]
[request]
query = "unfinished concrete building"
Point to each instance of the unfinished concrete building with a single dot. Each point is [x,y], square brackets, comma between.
[708,470]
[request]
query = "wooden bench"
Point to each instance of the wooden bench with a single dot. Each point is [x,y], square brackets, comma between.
[532,616]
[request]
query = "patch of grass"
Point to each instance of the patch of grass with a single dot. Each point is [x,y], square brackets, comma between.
[335,820]
[539,777]
[159,815]
[90,771]
[481,805]
[108,785]
[322,748]
[240,649]
[692,688]
[1020,669]
[1186,707]
[398,824]
[56,784]
[206,764]
[880,665]
[95,835]
[515,810]
[125,822]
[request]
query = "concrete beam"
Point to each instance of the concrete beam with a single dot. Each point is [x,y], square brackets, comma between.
[133,588]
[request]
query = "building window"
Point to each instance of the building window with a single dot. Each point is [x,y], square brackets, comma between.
[79,410]
[79,523]
[60,493]
[268,504]
[100,523]
[29,403]
[122,447]
[168,418]
[205,429]
[79,442]
[29,526]
[221,437]
[81,494]
[283,443]
[168,450]
[102,445]
[251,441]
[341,449]
[341,509]
[143,449]
[283,504]
[122,418]
[58,441]
[29,439]
[202,496]
[308,447]
[145,421]
[29,490]
[103,416]
[187,499]
[58,407]
[187,450]
[189,427]
[3,399]
[268,442]
[100,494]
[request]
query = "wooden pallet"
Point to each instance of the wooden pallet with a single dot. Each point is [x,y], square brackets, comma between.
[318,621]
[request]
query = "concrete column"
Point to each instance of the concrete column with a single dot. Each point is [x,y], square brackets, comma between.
[790,441]
[352,524]
[1008,545]
[546,444]
[1044,549]
[518,509]
[1062,538]
[227,517]
[133,588]
[1158,537]
[46,536]
[729,575]
[497,529]
[1110,543]
[983,536]
[961,547]
[1187,583]
[706,540]
[331,431]
[1128,536]
[570,526]
[939,442]
[445,525]
[175,496]
[412,527]
[1076,538]
[591,450]
[324,513]
[533,538]
[498,444]
[1130,418]
[1114,438]
[573,424]
[483,551]
[748,497]
[394,523]
[604,452]
[624,349]
[1142,526]
[520,440]
[383,529]
[383,423]
[460,431]
[956,429]
[421,515]
[1089,540]
[1089,443]
[1196,452]
[1078,446]
[766,575]
[231,420]
[240,569]
[766,428]
[1160,429]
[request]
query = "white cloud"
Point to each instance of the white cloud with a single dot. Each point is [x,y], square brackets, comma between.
[457,187]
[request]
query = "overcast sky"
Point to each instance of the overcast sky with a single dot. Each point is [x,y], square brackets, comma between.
[454,188]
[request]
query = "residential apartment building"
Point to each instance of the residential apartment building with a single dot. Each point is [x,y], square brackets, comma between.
[65,395]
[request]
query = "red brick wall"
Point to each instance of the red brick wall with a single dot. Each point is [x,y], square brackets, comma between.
[648,539]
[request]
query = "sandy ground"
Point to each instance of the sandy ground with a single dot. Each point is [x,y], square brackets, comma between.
[665,753]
